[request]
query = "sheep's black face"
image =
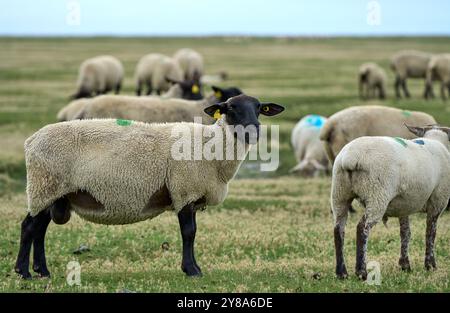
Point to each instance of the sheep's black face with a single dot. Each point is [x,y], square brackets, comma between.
[242,112]
[223,94]
[192,90]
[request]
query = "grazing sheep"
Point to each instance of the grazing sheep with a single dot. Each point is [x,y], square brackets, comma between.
[99,75]
[371,120]
[152,71]
[308,149]
[438,69]
[371,78]
[409,64]
[190,62]
[119,172]
[145,109]
[392,177]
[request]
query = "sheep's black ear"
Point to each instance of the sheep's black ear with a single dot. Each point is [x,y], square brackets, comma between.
[212,110]
[418,131]
[271,109]
[218,92]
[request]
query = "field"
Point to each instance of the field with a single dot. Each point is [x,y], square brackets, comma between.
[273,232]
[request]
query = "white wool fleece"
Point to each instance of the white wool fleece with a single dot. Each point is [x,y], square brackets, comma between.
[121,164]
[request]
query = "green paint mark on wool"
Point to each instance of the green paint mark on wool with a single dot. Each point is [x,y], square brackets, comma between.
[401,141]
[121,122]
[406,113]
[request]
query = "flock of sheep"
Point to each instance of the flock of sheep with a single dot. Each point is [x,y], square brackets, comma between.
[109,157]
[406,64]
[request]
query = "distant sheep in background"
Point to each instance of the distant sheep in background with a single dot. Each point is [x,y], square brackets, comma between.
[98,76]
[409,64]
[152,72]
[369,120]
[372,78]
[308,149]
[190,62]
[438,69]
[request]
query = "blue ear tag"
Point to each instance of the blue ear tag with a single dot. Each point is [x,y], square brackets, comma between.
[419,142]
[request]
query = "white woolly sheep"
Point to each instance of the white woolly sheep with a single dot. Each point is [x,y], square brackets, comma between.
[438,69]
[118,172]
[391,177]
[371,120]
[152,71]
[409,64]
[308,149]
[371,78]
[71,111]
[99,75]
[190,62]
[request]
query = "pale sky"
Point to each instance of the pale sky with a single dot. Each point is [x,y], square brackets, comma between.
[230,17]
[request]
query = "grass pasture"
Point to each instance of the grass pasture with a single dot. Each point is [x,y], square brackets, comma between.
[274,231]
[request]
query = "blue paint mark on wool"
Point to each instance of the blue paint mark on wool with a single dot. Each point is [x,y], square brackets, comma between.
[419,142]
[314,120]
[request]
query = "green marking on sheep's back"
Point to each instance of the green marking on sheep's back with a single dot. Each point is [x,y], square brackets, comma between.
[406,113]
[122,122]
[401,141]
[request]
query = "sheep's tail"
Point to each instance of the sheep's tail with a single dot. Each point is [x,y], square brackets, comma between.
[325,136]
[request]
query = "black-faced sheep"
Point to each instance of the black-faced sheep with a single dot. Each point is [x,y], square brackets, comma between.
[190,62]
[372,79]
[438,69]
[119,171]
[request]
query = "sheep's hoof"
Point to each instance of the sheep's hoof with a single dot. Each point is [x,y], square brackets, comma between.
[430,264]
[405,265]
[341,272]
[42,273]
[192,271]
[26,275]
[361,274]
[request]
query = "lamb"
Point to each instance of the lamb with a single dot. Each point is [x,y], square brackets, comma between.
[308,149]
[392,177]
[190,62]
[438,69]
[371,78]
[99,75]
[409,64]
[119,172]
[152,71]
[372,120]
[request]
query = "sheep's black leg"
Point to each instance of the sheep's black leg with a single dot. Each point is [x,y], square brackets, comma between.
[381,93]
[26,239]
[139,88]
[40,223]
[405,89]
[158,92]
[149,88]
[443,95]
[362,236]
[430,262]
[397,87]
[405,235]
[339,233]
[188,227]
[117,89]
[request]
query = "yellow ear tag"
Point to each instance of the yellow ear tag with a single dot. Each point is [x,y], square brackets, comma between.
[195,89]
[266,108]
[217,114]
[218,94]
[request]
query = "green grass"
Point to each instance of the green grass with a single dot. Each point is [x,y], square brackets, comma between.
[273,232]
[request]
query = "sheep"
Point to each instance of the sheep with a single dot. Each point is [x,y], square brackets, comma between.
[371,120]
[371,78]
[190,62]
[409,64]
[188,89]
[145,109]
[70,111]
[120,172]
[392,177]
[438,69]
[308,149]
[152,71]
[99,75]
